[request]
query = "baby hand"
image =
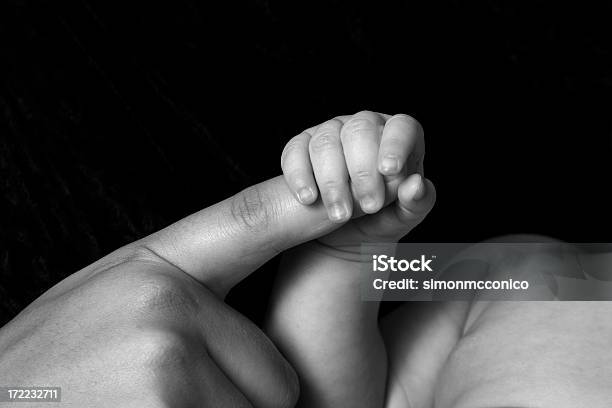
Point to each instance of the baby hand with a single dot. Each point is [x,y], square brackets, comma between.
[358,165]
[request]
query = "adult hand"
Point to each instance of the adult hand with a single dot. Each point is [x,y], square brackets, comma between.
[146,326]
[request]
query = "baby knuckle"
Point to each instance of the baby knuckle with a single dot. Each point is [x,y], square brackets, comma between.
[323,141]
[357,126]
[409,121]
[367,113]
[404,117]
[361,176]
[332,125]
[294,146]
[331,186]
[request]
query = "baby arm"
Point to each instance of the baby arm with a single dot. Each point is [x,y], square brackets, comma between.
[367,169]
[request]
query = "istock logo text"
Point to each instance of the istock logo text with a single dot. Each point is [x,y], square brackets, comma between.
[384,263]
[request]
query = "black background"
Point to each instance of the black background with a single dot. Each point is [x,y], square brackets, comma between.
[118,118]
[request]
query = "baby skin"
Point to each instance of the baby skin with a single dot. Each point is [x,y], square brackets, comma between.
[367,169]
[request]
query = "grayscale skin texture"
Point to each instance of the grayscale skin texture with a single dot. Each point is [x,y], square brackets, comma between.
[435,354]
[146,326]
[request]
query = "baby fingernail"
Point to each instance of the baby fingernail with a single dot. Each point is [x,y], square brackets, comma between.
[368,204]
[389,164]
[337,212]
[305,194]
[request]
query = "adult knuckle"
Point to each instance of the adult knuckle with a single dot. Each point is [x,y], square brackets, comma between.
[286,388]
[289,388]
[282,388]
[163,295]
[239,401]
[165,349]
[252,210]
